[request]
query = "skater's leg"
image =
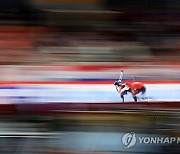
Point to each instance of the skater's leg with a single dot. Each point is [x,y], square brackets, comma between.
[135,98]
[122,96]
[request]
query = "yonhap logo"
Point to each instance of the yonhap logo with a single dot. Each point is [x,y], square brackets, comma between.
[129,140]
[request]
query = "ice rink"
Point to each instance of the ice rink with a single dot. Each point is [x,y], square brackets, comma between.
[82,93]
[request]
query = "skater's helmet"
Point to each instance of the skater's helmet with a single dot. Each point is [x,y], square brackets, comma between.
[118,83]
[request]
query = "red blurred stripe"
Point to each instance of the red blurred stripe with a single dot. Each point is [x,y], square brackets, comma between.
[19,83]
[58,108]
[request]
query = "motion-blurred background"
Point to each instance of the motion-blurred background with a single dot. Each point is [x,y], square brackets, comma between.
[58,62]
[68,31]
